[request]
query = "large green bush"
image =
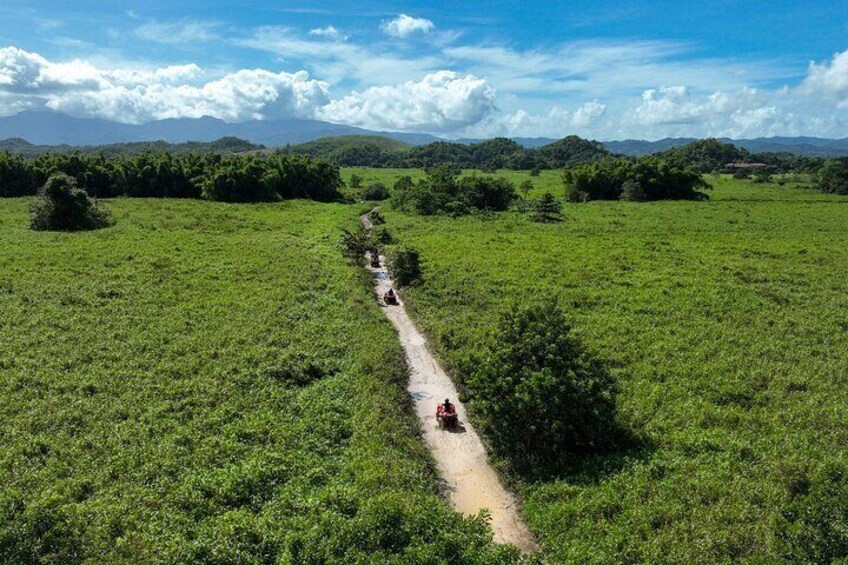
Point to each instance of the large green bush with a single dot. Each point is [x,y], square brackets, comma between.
[833,177]
[61,206]
[538,394]
[614,178]
[406,266]
[444,192]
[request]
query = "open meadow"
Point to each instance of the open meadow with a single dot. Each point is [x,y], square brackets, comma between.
[725,324]
[205,382]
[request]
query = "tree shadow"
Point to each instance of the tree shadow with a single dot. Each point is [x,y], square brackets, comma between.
[591,468]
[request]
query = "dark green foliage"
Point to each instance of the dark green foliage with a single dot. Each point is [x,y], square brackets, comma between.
[406,266]
[376,191]
[762,175]
[571,151]
[813,528]
[833,177]
[239,180]
[355,181]
[526,188]
[247,178]
[488,156]
[631,191]
[61,206]
[376,218]
[538,394]
[443,192]
[404,183]
[656,178]
[17,177]
[355,244]
[547,209]
[705,155]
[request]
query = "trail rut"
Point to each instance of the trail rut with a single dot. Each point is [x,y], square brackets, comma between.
[468,480]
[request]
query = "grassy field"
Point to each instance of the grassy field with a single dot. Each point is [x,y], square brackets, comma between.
[725,323]
[547,181]
[208,383]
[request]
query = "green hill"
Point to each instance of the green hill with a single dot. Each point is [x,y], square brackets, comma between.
[223,146]
[352,150]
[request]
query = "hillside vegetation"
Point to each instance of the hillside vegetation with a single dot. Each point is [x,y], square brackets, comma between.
[223,146]
[723,324]
[489,155]
[198,383]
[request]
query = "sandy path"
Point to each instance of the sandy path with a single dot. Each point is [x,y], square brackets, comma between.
[467,478]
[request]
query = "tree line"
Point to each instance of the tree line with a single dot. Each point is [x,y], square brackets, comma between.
[236,178]
[490,155]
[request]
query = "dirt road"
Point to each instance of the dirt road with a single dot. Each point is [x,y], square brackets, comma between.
[468,479]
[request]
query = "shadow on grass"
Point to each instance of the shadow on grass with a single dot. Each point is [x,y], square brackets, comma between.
[588,468]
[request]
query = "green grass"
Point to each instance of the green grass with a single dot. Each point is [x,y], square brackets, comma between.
[208,382]
[547,181]
[725,323]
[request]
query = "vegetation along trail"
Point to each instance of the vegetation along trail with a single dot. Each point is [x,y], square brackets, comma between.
[468,479]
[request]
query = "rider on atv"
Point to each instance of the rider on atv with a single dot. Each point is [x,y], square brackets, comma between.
[446,414]
[390,297]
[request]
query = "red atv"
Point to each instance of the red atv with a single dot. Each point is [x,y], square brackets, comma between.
[446,415]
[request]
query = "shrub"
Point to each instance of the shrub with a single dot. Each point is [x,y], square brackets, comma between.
[658,179]
[376,191]
[547,209]
[406,267]
[376,218]
[833,177]
[538,394]
[813,527]
[61,206]
[526,188]
[355,244]
[355,181]
[632,191]
[442,192]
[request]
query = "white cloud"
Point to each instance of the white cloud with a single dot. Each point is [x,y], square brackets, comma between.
[829,80]
[328,32]
[78,88]
[179,32]
[441,102]
[404,26]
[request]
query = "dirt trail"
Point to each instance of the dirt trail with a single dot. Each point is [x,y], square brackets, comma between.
[467,478]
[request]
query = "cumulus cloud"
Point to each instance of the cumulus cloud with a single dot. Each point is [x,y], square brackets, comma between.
[78,88]
[442,101]
[329,32]
[829,80]
[404,26]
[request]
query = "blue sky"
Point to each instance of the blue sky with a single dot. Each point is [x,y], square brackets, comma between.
[599,69]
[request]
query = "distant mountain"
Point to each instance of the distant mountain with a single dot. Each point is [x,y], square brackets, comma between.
[56,129]
[223,146]
[53,128]
[806,146]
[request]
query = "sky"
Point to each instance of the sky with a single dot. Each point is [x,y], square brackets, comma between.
[470,68]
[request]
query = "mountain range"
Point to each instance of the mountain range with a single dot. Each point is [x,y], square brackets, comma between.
[53,128]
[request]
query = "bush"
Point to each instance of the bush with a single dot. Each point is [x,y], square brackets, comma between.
[547,209]
[355,181]
[631,191]
[61,206]
[813,528]
[442,192]
[538,394]
[658,180]
[833,177]
[376,191]
[406,267]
